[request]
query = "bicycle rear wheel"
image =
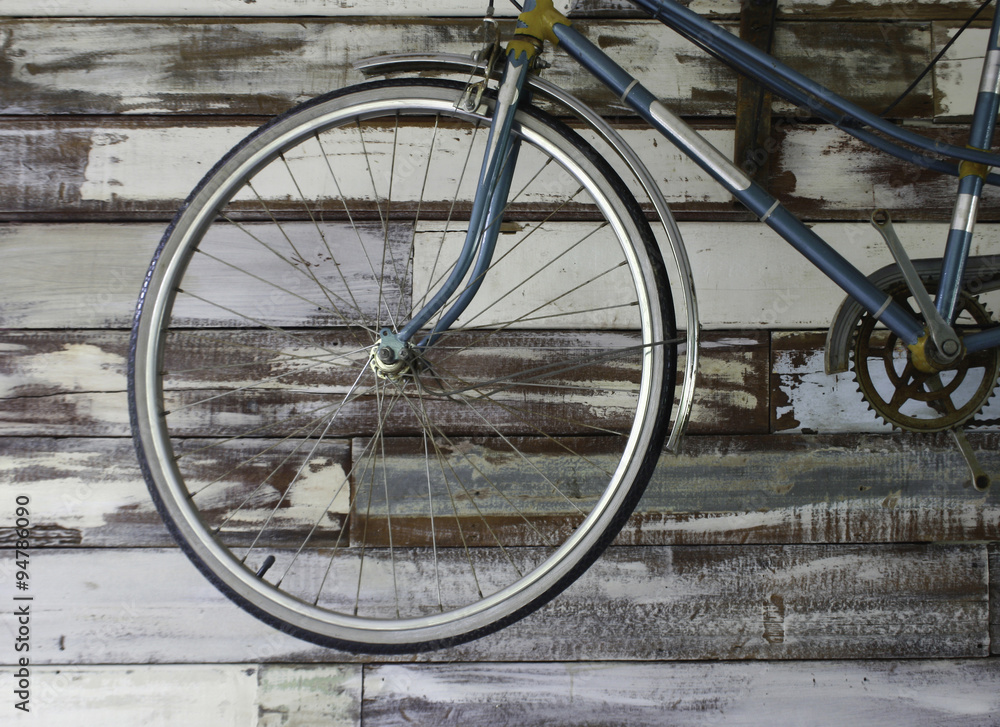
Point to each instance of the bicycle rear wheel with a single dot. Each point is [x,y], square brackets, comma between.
[389,510]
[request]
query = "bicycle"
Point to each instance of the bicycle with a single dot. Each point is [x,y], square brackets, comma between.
[442,294]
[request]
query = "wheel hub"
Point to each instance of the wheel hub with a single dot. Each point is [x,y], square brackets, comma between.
[391,358]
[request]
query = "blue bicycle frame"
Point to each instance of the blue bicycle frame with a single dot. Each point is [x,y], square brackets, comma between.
[821,102]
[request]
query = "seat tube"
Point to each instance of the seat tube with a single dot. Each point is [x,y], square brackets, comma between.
[971,179]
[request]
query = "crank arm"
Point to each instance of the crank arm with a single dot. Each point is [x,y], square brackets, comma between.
[942,334]
[980,479]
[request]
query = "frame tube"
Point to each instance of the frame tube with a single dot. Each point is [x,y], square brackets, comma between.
[755,197]
[970,187]
[790,83]
[491,197]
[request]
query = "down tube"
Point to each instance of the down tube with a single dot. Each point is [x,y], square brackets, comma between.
[751,194]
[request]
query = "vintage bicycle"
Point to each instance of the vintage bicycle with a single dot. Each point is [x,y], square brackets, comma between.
[438,291]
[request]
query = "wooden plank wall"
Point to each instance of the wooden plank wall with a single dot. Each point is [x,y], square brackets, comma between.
[796,563]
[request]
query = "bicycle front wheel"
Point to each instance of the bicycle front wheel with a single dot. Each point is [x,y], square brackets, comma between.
[376,508]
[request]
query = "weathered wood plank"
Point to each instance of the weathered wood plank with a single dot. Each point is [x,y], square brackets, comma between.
[804,602]
[73,384]
[852,177]
[303,695]
[88,275]
[748,277]
[805,399]
[957,74]
[994,555]
[917,694]
[719,490]
[164,65]
[805,9]
[753,101]
[845,488]
[135,168]
[211,695]
[279,8]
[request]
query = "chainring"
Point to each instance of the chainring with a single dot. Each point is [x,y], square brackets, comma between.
[907,398]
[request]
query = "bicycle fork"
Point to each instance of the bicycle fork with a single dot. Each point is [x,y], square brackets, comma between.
[495,177]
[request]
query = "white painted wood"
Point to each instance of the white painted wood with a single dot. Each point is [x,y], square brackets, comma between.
[747,276]
[89,492]
[150,606]
[167,67]
[291,61]
[956,78]
[142,166]
[122,163]
[88,276]
[830,172]
[892,9]
[211,695]
[916,694]
[306,695]
[236,8]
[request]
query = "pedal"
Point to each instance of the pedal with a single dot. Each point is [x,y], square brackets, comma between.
[980,480]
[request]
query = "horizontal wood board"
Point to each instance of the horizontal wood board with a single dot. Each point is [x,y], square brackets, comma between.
[808,9]
[928,694]
[87,276]
[110,168]
[164,62]
[229,695]
[924,693]
[89,492]
[659,603]
[994,555]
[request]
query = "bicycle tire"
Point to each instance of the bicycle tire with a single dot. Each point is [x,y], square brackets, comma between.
[252,355]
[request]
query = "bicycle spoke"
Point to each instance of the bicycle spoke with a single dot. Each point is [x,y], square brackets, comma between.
[274,471]
[407,270]
[447,225]
[323,289]
[340,193]
[247,387]
[522,416]
[319,231]
[521,455]
[291,264]
[301,469]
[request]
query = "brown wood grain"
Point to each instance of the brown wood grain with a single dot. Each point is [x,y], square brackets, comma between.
[89,491]
[73,383]
[177,66]
[994,556]
[635,604]
[819,10]
[918,693]
[121,168]
[791,547]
